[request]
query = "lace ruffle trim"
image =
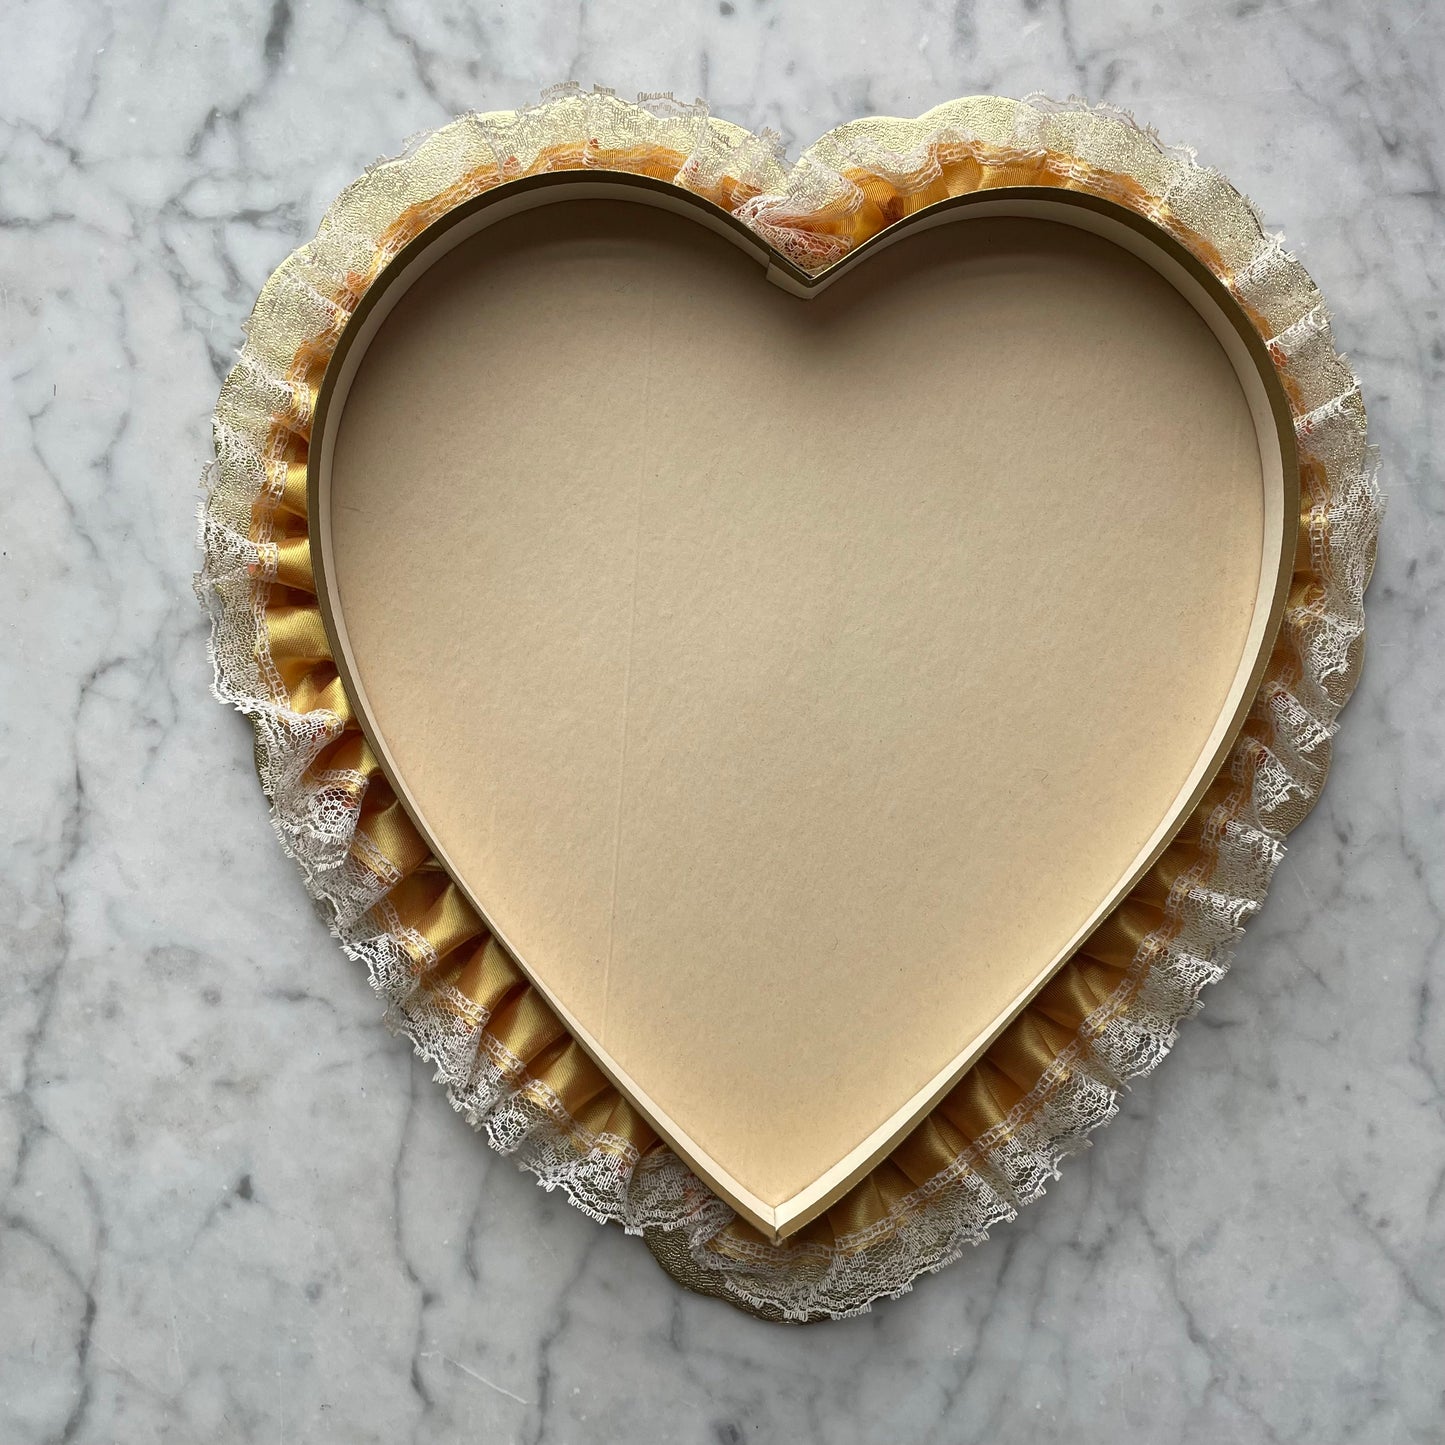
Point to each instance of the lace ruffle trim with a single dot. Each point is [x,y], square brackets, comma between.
[454,994]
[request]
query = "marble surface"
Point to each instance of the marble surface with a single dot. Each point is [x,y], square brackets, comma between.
[233,1208]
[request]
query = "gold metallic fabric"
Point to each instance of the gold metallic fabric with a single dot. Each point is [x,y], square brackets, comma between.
[1110,1011]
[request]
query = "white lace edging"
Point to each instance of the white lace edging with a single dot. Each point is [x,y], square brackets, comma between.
[1276,770]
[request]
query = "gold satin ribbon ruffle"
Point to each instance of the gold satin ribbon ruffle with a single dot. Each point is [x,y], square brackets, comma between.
[1110,1012]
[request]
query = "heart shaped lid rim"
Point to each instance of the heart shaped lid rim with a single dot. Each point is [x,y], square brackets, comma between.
[973,1163]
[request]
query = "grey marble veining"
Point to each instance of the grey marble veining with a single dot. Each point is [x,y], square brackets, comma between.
[233,1208]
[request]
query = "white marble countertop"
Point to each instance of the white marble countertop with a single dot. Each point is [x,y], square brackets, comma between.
[233,1208]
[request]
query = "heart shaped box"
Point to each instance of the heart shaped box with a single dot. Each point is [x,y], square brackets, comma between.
[787,765]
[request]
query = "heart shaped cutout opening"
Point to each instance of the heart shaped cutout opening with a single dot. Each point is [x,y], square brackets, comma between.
[792,685]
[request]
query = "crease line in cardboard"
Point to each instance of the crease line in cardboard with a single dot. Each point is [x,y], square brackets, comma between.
[644,412]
